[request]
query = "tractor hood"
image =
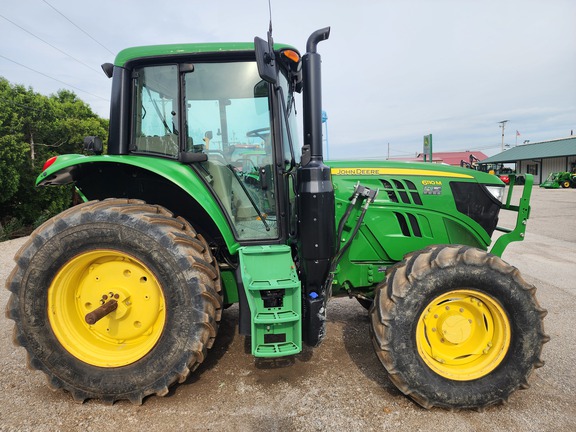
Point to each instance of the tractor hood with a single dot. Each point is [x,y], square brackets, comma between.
[422,203]
[411,169]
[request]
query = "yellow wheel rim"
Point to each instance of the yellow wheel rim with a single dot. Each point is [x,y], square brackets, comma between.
[463,335]
[123,336]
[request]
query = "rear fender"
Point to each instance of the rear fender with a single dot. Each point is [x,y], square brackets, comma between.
[165,182]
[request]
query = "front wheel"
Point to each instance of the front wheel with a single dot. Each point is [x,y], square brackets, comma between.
[115,300]
[456,327]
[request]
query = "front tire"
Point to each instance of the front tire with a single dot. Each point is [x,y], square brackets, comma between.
[456,327]
[158,270]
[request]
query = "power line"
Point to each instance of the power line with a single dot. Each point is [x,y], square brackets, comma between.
[486,147]
[13,103]
[52,78]
[49,44]
[401,152]
[79,28]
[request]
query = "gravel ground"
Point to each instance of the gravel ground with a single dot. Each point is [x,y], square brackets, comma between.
[339,386]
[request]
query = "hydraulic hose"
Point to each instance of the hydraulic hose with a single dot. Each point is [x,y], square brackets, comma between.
[344,218]
[363,193]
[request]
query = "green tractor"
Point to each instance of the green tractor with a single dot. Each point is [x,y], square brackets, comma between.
[557,180]
[205,198]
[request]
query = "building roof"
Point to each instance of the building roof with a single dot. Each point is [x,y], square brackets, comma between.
[540,150]
[454,158]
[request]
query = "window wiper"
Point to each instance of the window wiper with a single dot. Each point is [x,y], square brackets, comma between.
[162,118]
[287,125]
[254,205]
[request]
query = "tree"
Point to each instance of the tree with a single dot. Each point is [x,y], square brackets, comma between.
[33,128]
[12,149]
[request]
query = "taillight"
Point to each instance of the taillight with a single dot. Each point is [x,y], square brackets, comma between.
[49,162]
[292,55]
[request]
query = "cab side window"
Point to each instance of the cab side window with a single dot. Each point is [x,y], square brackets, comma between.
[155,111]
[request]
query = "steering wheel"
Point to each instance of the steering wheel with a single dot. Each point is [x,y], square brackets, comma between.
[259,133]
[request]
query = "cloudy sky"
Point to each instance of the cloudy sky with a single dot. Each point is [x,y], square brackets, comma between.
[393,70]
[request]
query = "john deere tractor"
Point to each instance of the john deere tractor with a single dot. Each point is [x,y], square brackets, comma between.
[204,198]
[557,180]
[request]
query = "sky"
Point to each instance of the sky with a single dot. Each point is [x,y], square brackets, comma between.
[392,70]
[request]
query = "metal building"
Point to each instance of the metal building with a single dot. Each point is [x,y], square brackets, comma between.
[540,158]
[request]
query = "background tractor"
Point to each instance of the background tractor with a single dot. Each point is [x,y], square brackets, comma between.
[557,180]
[205,198]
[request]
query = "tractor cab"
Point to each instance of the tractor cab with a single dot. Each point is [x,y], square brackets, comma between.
[221,115]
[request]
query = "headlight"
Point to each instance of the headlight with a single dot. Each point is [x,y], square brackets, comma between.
[496,191]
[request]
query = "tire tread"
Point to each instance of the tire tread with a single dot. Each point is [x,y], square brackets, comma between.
[418,266]
[185,242]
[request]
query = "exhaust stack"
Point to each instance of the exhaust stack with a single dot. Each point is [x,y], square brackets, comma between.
[315,200]
[312,97]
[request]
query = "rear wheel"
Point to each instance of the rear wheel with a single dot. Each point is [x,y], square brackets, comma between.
[153,273]
[457,327]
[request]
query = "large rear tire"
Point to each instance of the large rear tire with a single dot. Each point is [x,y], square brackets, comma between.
[159,271]
[456,327]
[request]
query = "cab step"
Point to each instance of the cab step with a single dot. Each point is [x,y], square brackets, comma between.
[273,291]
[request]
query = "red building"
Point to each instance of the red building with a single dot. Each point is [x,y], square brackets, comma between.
[449,158]
[455,158]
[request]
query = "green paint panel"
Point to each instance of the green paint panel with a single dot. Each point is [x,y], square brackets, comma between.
[63,169]
[415,208]
[230,287]
[142,52]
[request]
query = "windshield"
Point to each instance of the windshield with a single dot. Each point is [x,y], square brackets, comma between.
[289,130]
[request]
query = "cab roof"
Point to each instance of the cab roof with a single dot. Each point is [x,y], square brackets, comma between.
[142,52]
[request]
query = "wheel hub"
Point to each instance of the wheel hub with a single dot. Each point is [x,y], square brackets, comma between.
[120,336]
[456,329]
[463,334]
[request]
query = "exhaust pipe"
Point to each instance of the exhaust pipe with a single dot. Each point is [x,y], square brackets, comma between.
[315,201]
[312,94]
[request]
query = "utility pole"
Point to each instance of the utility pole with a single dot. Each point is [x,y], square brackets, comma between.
[503,125]
[325,121]
[32,154]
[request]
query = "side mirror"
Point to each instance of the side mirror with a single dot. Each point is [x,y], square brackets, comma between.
[93,144]
[108,69]
[265,60]
[192,157]
[261,90]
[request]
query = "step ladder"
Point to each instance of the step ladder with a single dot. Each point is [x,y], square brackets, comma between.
[273,292]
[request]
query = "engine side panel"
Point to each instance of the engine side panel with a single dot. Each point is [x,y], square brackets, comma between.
[415,208]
